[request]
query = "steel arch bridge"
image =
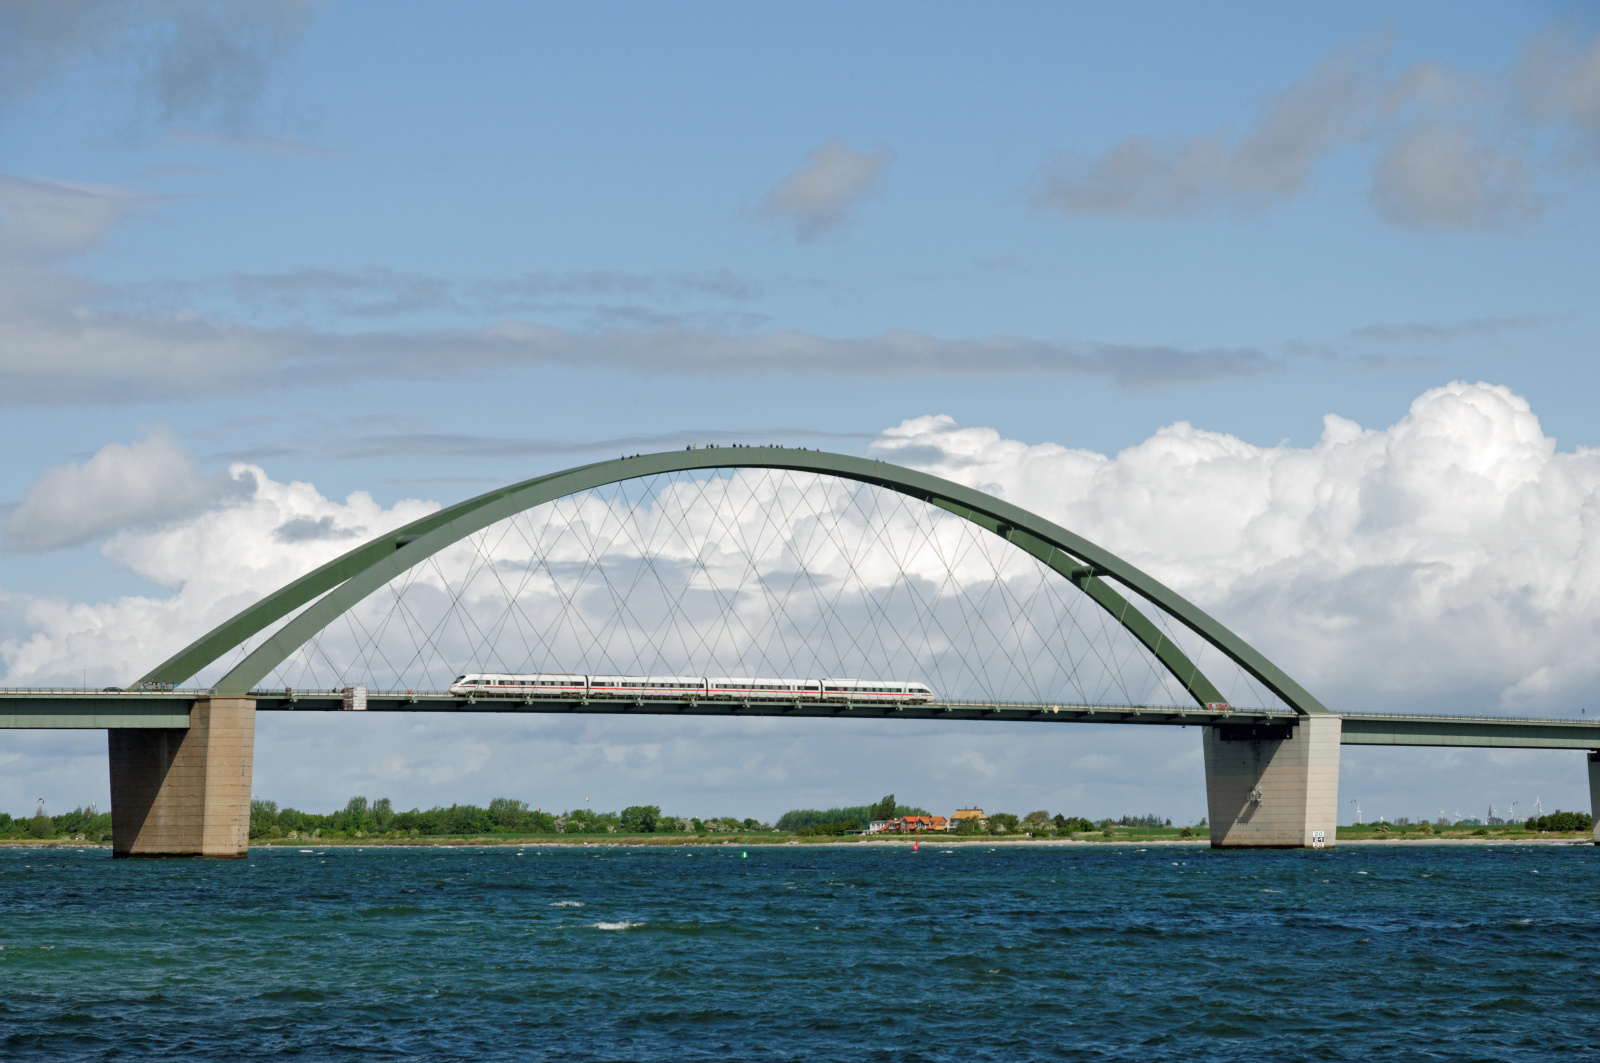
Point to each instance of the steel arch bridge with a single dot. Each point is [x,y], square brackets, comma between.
[181,759]
[341,584]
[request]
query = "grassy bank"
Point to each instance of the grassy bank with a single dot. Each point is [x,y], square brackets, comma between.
[1431,832]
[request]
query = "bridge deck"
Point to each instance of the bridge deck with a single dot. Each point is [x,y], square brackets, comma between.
[94,709]
[1499,732]
[170,709]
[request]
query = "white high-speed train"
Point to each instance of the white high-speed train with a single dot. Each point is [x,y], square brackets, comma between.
[679,686]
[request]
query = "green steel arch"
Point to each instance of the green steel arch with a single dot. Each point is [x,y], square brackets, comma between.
[340,584]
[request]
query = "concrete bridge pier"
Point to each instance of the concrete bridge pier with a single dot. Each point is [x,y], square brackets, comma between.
[184,793]
[1594,791]
[1274,785]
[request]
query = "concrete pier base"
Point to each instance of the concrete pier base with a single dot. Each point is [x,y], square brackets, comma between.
[1594,791]
[185,793]
[1273,786]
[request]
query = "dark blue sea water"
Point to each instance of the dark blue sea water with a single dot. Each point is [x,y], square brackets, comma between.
[799,953]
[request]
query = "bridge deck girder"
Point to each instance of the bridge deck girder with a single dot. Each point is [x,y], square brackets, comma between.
[102,710]
[1373,729]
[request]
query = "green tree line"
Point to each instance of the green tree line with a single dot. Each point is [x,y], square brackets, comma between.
[844,820]
[94,825]
[505,815]
[1559,820]
[836,821]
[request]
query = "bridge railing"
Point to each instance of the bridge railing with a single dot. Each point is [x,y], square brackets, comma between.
[1486,717]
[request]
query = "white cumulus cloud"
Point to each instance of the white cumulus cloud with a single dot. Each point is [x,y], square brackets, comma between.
[151,482]
[1449,561]
[215,563]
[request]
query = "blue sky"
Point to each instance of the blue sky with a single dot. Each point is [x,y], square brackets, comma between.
[420,250]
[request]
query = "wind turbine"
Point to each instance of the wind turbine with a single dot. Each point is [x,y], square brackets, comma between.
[1357,802]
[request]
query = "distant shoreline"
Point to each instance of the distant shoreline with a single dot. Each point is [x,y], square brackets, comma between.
[483,841]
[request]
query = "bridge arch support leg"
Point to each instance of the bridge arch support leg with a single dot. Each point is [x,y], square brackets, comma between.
[1273,786]
[185,793]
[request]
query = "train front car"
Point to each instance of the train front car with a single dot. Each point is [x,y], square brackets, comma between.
[468,684]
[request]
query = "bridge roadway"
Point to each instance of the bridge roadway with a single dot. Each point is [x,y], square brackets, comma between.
[90,709]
